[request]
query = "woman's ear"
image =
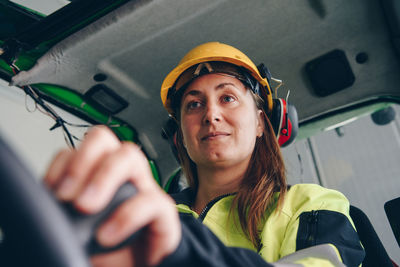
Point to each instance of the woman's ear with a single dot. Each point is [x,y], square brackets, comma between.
[183,142]
[260,123]
[182,138]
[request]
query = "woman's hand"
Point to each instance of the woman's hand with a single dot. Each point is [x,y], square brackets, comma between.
[89,177]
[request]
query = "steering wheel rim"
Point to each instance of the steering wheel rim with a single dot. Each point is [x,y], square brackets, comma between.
[36,231]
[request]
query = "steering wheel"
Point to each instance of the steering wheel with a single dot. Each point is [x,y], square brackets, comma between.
[37,230]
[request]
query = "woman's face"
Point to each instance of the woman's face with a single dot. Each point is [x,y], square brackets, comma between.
[219,121]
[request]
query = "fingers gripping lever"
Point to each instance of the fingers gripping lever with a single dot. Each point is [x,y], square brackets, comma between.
[86,225]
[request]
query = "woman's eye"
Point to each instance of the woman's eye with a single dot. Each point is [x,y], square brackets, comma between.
[228,99]
[193,105]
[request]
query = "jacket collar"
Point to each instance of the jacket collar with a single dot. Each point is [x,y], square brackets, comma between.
[185,197]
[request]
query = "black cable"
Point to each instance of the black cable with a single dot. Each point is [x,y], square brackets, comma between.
[39,101]
[59,121]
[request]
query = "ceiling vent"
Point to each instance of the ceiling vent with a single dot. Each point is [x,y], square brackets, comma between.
[330,73]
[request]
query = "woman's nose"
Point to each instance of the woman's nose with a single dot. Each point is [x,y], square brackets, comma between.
[212,114]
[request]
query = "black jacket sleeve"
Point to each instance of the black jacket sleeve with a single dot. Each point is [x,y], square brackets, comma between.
[200,247]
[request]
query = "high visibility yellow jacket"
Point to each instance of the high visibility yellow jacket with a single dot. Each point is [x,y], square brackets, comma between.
[313,228]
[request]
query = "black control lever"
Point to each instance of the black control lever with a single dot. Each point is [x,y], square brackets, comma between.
[85,225]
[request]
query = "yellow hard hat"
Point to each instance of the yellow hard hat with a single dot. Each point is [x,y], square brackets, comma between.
[211,52]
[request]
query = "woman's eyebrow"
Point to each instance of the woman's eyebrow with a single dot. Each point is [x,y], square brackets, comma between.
[222,85]
[195,92]
[191,92]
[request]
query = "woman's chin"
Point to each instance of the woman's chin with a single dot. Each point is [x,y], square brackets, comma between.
[219,159]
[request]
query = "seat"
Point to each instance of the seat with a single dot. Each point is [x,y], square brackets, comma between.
[375,253]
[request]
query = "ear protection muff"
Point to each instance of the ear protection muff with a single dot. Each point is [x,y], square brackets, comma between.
[284,121]
[283,117]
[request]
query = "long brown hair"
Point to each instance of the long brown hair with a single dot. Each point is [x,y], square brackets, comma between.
[264,176]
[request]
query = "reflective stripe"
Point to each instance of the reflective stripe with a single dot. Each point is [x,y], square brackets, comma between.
[324,252]
[287,265]
[317,227]
[182,208]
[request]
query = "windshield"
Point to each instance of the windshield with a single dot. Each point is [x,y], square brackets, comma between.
[41,7]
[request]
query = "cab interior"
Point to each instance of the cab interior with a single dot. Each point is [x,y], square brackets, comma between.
[103,62]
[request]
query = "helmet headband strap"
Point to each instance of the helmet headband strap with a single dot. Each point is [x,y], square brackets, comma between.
[200,67]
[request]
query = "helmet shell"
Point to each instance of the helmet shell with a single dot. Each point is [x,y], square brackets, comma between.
[213,51]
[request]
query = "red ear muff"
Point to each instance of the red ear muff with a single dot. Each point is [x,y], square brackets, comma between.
[284,121]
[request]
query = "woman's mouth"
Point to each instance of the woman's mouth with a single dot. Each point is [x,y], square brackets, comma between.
[214,135]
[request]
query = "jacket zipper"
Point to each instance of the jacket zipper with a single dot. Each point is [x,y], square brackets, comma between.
[209,205]
[312,228]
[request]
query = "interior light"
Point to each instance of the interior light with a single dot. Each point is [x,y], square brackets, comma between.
[105,99]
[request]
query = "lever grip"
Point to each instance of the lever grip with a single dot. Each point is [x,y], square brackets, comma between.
[86,225]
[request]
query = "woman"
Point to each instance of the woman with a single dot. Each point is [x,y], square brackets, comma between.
[231,158]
